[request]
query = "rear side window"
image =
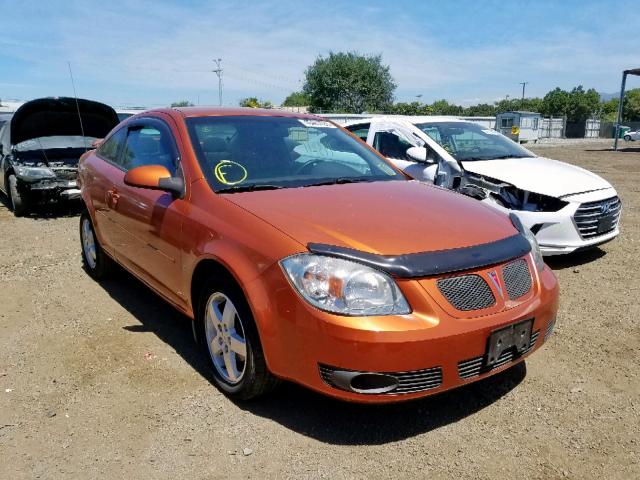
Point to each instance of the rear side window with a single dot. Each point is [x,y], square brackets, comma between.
[110,148]
[361,130]
[147,145]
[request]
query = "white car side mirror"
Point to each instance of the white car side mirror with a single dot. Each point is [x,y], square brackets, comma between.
[417,154]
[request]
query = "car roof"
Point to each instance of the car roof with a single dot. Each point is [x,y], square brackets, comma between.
[415,119]
[189,112]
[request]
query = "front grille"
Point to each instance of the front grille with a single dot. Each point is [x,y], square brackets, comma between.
[589,215]
[66,173]
[467,292]
[408,382]
[473,367]
[517,278]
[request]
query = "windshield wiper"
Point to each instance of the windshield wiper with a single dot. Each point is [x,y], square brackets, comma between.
[249,188]
[500,157]
[339,180]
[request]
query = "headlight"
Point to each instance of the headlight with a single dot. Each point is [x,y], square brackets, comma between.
[33,173]
[531,238]
[344,287]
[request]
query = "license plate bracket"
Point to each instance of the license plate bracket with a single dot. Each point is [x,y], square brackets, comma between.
[515,336]
[606,223]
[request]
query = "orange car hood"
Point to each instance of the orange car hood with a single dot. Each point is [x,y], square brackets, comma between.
[389,218]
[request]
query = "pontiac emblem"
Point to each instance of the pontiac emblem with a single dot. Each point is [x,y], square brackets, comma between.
[494,278]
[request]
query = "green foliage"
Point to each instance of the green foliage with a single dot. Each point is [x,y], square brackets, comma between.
[254,102]
[413,108]
[349,83]
[297,99]
[631,106]
[182,103]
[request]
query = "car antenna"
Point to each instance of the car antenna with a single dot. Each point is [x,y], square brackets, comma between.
[84,139]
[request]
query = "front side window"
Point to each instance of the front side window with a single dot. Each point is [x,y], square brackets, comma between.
[391,145]
[112,145]
[250,152]
[147,145]
[469,141]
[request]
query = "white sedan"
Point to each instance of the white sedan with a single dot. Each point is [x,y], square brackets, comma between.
[632,135]
[567,207]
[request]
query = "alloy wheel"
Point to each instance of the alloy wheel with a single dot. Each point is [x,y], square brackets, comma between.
[225,338]
[88,244]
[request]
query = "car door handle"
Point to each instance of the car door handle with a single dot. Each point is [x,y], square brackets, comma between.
[112,198]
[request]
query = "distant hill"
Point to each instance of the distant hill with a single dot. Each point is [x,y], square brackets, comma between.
[605,97]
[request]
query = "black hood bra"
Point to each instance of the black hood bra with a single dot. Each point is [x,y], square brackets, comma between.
[424,264]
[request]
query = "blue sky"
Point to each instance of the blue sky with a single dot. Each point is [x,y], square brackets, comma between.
[151,53]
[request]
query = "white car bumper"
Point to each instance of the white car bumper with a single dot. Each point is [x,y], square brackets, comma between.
[580,225]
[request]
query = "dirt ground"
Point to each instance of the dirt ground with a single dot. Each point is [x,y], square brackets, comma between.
[104,381]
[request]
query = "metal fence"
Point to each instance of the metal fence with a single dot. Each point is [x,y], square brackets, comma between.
[552,127]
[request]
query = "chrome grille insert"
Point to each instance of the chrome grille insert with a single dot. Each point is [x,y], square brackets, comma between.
[588,217]
[517,278]
[408,382]
[473,367]
[467,292]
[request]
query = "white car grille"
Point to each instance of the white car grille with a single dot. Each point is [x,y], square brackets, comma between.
[598,218]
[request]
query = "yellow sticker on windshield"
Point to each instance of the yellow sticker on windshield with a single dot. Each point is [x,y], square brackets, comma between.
[230,173]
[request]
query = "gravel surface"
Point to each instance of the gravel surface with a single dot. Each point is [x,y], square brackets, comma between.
[104,381]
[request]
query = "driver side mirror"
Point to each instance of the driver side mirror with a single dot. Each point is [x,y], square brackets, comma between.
[154,177]
[417,154]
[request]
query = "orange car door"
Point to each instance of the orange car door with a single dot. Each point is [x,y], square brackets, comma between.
[151,220]
[98,171]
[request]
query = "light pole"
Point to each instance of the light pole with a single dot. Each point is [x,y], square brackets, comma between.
[218,71]
[523,85]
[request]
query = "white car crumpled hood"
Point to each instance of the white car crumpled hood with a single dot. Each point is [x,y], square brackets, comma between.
[539,175]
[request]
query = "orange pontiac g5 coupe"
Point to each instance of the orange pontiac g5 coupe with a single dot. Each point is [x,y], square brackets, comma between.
[302,254]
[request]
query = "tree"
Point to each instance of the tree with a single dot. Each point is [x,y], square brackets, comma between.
[182,103]
[442,107]
[297,99]
[631,105]
[413,108]
[582,105]
[254,102]
[481,110]
[555,103]
[349,83]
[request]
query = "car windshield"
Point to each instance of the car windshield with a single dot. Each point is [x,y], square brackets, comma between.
[244,153]
[466,141]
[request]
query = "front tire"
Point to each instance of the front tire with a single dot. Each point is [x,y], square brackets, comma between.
[97,263]
[19,199]
[627,138]
[229,338]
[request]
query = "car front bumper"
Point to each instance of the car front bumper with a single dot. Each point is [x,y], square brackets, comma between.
[430,350]
[557,232]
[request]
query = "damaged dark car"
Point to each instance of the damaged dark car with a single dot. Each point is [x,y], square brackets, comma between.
[40,147]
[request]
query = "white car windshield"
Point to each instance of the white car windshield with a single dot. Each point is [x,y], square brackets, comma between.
[467,141]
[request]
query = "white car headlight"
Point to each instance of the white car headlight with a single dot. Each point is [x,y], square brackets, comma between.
[33,173]
[531,238]
[344,287]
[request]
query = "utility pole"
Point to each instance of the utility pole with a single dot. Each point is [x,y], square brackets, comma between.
[523,85]
[218,71]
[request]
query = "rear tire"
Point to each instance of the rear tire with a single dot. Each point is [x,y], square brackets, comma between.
[19,199]
[225,326]
[97,263]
